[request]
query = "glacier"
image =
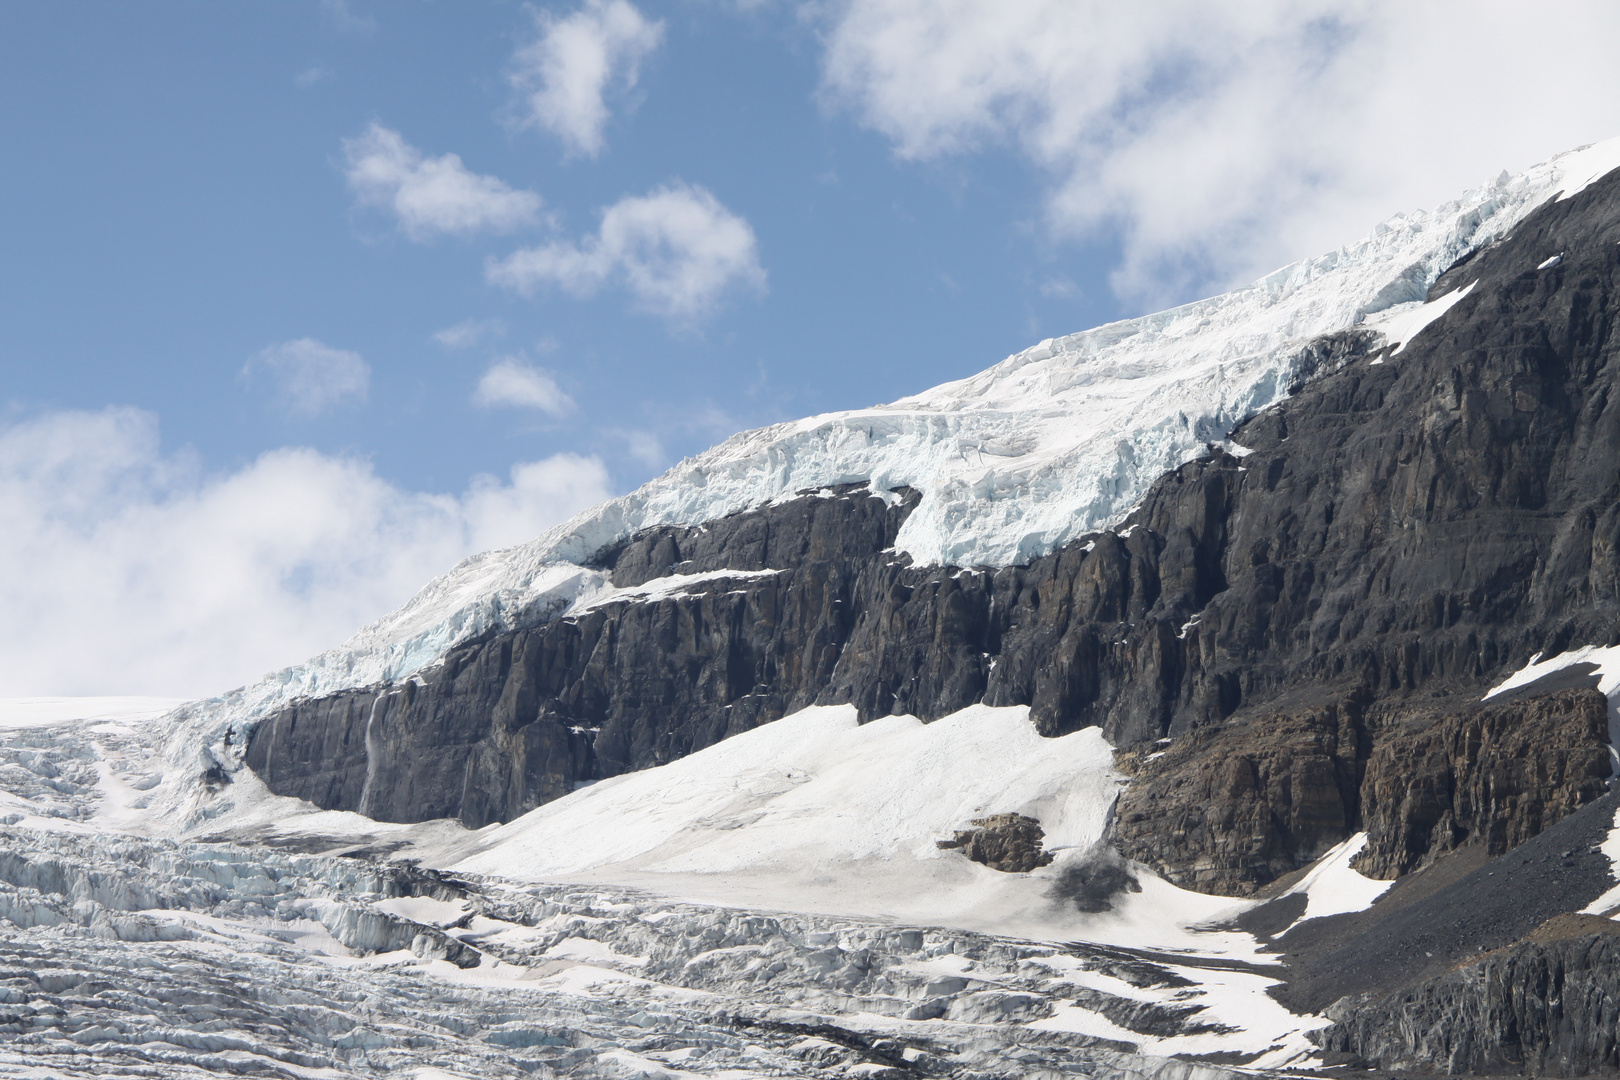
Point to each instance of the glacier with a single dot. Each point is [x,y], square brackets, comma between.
[165,914]
[1053,442]
[273,938]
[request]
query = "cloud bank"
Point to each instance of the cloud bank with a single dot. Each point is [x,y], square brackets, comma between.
[125,569]
[563,77]
[1221,141]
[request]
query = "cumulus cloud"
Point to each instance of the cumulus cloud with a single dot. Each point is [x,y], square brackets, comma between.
[125,569]
[431,195]
[677,250]
[1223,140]
[562,78]
[312,377]
[513,383]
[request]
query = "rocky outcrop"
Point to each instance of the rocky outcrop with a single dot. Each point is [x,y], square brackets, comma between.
[1011,843]
[1229,809]
[1403,528]
[1496,776]
[1449,915]
[1547,1007]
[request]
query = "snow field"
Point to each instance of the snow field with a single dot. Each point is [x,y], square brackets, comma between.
[1334,887]
[816,812]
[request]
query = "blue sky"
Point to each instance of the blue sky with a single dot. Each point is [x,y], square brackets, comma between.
[181,205]
[273,357]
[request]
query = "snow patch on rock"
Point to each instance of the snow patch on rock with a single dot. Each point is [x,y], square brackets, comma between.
[1334,887]
[1605,663]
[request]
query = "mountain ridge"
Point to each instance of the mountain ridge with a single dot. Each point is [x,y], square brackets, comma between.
[1282,629]
[1377,282]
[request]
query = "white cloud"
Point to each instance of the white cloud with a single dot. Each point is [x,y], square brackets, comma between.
[311,377]
[1223,140]
[469,332]
[124,569]
[431,195]
[562,77]
[677,249]
[511,382]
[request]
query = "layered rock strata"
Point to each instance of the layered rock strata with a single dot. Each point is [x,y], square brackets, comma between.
[1404,526]
[1231,808]
[1542,1007]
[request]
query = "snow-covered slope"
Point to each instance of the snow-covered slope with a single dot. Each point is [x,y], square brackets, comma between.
[808,845]
[1057,440]
[818,812]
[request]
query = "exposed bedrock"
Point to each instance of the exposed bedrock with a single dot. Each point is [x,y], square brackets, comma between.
[1496,777]
[1548,1007]
[1402,531]
[1232,807]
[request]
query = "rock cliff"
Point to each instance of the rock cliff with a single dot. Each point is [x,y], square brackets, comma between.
[1403,526]
[1548,1007]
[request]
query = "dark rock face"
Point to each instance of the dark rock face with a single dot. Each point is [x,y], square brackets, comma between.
[1496,776]
[1011,843]
[1437,921]
[1401,531]
[1230,808]
[505,724]
[1548,1008]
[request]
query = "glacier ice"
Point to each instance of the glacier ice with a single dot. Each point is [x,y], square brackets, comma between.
[153,956]
[1055,441]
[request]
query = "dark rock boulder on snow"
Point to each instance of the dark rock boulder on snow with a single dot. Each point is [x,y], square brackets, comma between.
[1011,843]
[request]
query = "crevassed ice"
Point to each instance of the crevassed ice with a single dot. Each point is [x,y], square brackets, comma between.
[1060,439]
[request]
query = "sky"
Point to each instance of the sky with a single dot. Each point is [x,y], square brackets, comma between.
[302,302]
